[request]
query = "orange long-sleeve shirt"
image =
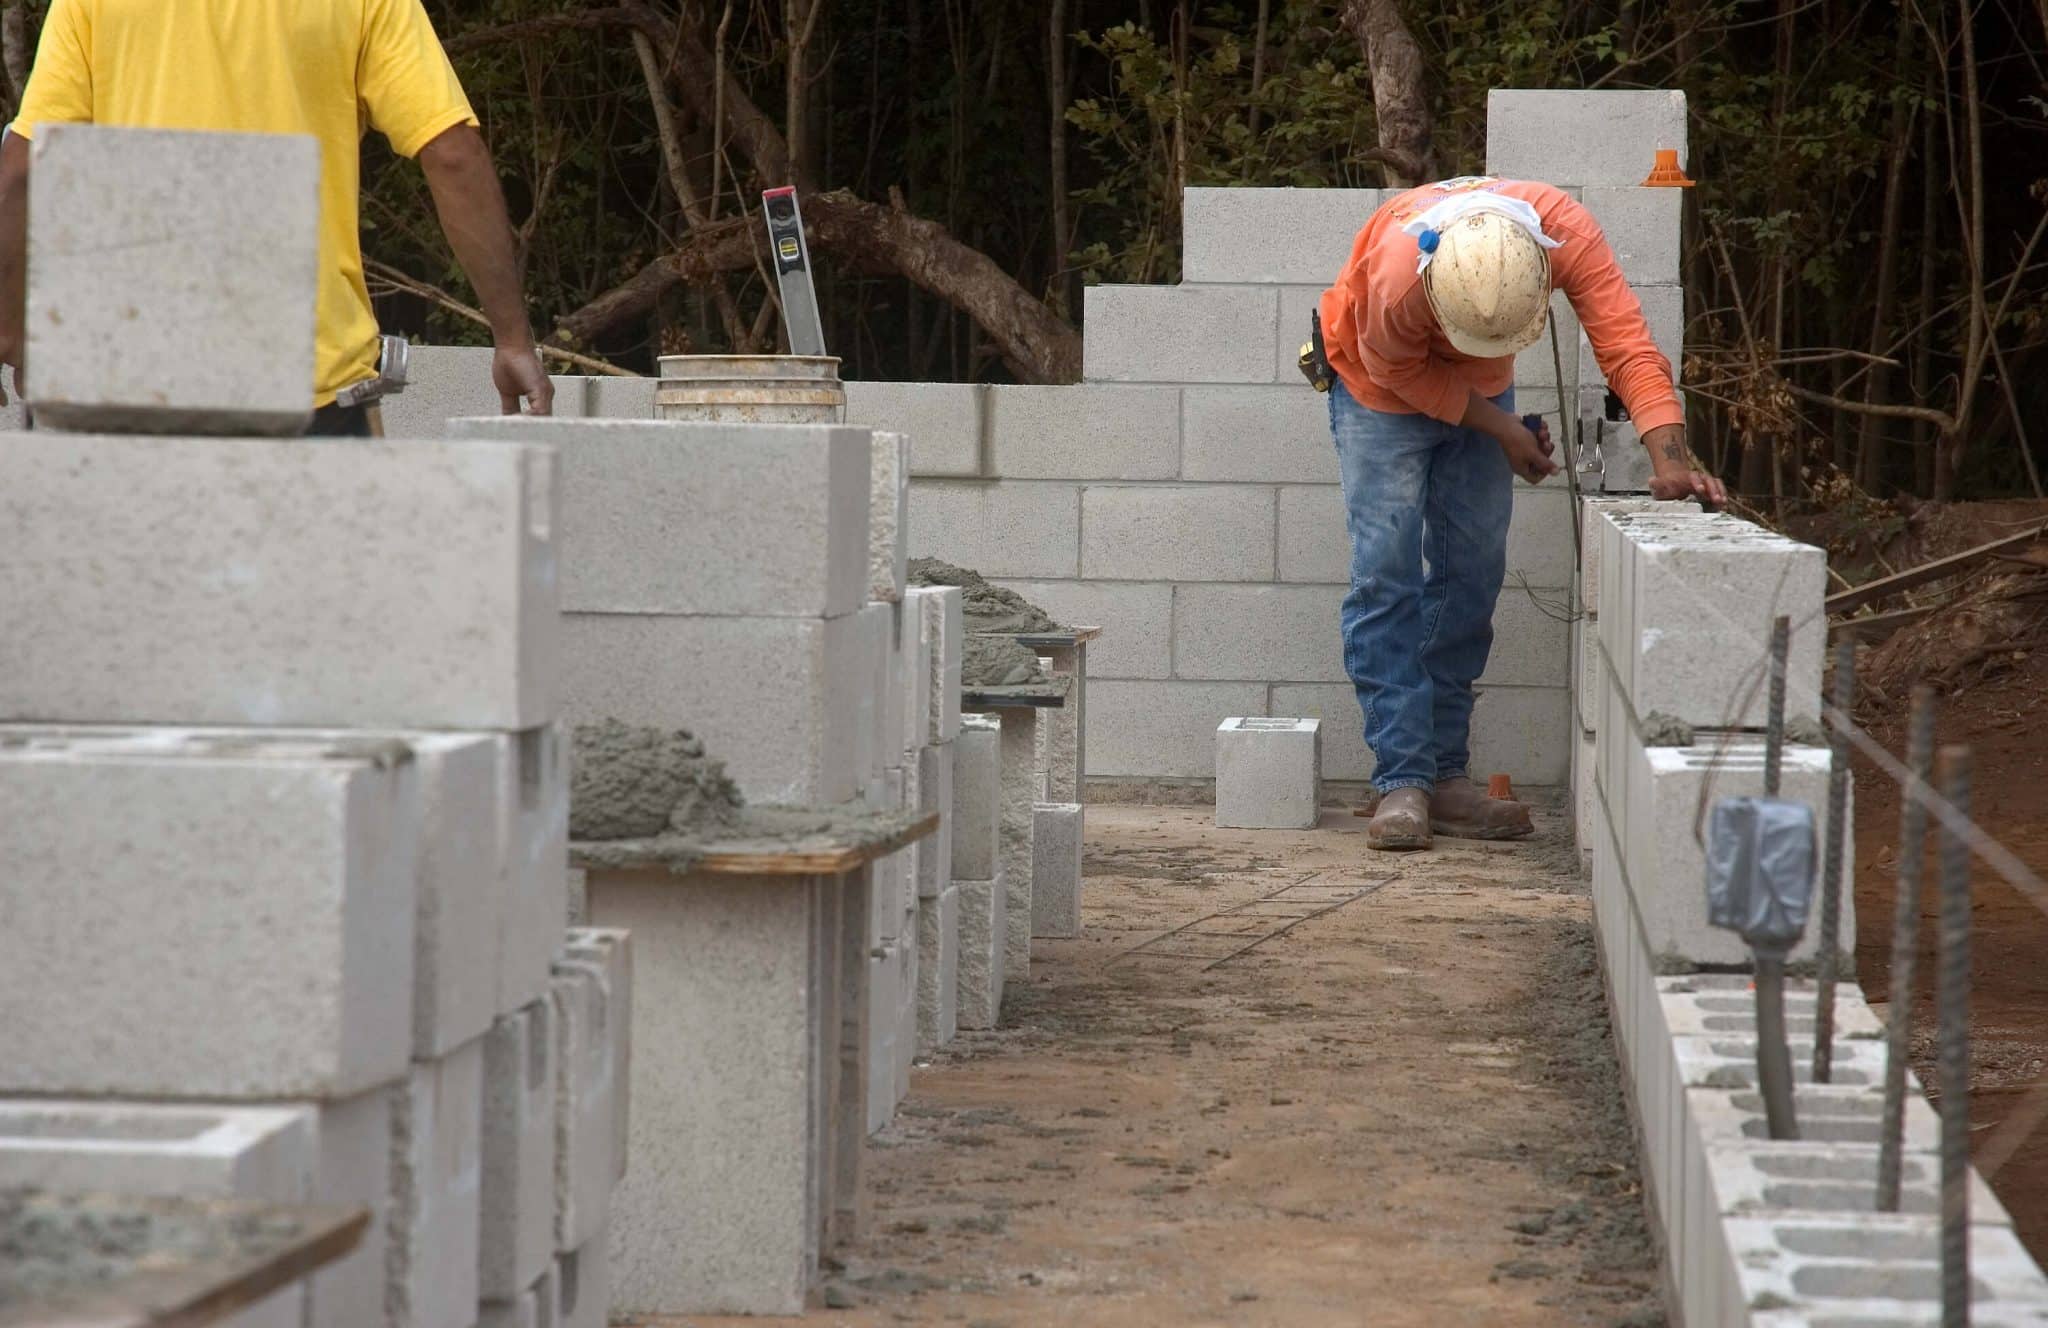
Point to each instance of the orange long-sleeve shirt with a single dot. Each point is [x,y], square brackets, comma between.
[1383,341]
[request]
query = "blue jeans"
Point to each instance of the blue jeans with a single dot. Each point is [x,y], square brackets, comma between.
[1428,506]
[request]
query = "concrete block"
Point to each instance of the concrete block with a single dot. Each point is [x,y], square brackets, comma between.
[938,969]
[583,1287]
[1163,730]
[152,1149]
[1298,306]
[1523,732]
[885,996]
[1828,1114]
[534,1307]
[1582,138]
[662,517]
[614,398]
[448,383]
[1342,733]
[611,951]
[363,585]
[874,657]
[586,1089]
[352,1167]
[463,877]
[1056,841]
[436,1189]
[906,1014]
[1315,541]
[980,976]
[1592,542]
[292,861]
[768,695]
[1017,854]
[1271,236]
[1179,334]
[977,799]
[1586,830]
[1269,773]
[1644,227]
[888,519]
[1872,1270]
[125,258]
[1207,532]
[894,877]
[534,770]
[1012,528]
[1136,618]
[913,713]
[1258,434]
[943,421]
[1086,432]
[518,1183]
[1272,632]
[944,636]
[935,795]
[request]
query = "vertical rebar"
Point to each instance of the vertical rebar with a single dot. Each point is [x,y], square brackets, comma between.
[1905,939]
[1952,1008]
[1773,1053]
[1774,722]
[1831,870]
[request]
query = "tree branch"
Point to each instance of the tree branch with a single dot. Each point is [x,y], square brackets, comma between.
[391,276]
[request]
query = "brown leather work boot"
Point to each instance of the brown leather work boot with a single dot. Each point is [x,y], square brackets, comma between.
[1401,821]
[1460,809]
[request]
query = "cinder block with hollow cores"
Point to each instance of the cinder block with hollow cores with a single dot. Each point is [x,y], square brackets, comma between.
[436,1191]
[935,795]
[534,770]
[944,630]
[586,1088]
[1017,856]
[888,518]
[289,861]
[665,517]
[1181,532]
[1269,773]
[977,799]
[518,1189]
[1582,138]
[610,951]
[1643,228]
[143,1148]
[583,1286]
[125,258]
[1271,236]
[1006,528]
[770,696]
[357,584]
[1056,869]
[943,421]
[1086,431]
[982,921]
[1875,1271]
[1179,334]
[1590,545]
[938,969]
[352,1167]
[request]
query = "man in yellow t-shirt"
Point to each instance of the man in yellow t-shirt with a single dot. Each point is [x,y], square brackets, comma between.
[328,68]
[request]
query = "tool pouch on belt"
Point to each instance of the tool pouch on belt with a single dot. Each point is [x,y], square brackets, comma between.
[1315,365]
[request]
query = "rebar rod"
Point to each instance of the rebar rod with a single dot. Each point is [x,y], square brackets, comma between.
[1905,938]
[1774,723]
[1773,1053]
[1831,870]
[1952,1009]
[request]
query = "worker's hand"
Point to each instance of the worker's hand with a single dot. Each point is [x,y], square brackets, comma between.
[1528,453]
[1677,473]
[517,372]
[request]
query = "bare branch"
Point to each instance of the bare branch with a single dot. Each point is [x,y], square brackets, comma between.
[391,276]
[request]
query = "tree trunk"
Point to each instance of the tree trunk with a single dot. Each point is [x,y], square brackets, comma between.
[1057,286]
[1400,95]
[1870,442]
[1924,439]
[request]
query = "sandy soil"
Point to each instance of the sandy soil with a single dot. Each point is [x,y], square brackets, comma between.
[1283,1081]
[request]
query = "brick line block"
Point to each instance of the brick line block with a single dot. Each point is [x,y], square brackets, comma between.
[1056,837]
[1136,618]
[1163,730]
[943,631]
[767,694]
[1269,773]
[1257,434]
[1269,236]
[125,257]
[1209,532]
[943,421]
[518,1181]
[586,1087]
[436,1173]
[982,944]
[1870,1270]
[1086,431]
[291,861]
[913,712]
[888,519]
[1582,138]
[938,970]
[1644,228]
[358,584]
[1179,334]
[666,517]
[1012,528]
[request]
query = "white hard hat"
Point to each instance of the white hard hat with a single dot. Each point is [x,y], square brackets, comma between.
[1488,281]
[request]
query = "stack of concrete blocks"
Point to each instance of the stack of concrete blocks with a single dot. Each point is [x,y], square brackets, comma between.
[978,871]
[1059,818]
[934,727]
[1268,774]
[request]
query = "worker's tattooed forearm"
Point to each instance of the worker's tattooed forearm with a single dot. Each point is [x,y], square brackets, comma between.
[1675,451]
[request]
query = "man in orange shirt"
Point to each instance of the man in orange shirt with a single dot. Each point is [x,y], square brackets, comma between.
[1445,284]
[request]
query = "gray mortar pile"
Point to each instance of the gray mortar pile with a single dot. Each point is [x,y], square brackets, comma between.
[636,783]
[993,614]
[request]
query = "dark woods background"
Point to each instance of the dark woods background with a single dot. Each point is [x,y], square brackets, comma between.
[1867,283]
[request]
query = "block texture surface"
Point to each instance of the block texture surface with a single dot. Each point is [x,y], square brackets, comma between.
[943,421]
[1271,236]
[1208,532]
[1086,432]
[1582,138]
[1179,334]
[1012,528]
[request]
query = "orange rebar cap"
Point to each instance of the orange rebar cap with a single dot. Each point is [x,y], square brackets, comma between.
[1666,173]
[1500,789]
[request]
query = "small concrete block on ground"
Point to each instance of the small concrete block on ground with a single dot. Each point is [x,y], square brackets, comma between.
[436,1189]
[355,584]
[982,918]
[1086,431]
[1179,334]
[1057,830]
[534,774]
[126,258]
[1269,773]
[977,799]
[586,1096]
[152,1149]
[943,421]
[1582,138]
[518,1185]
[1007,528]
[938,969]
[292,860]
[888,520]
[684,518]
[1271,236]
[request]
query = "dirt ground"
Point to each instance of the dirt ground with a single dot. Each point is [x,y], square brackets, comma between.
[1282,1081]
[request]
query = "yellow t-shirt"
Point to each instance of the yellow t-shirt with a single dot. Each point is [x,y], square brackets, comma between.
[327,68]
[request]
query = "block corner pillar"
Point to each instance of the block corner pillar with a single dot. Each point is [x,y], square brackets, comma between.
[740,985]
[1066,740]
[1019,744]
